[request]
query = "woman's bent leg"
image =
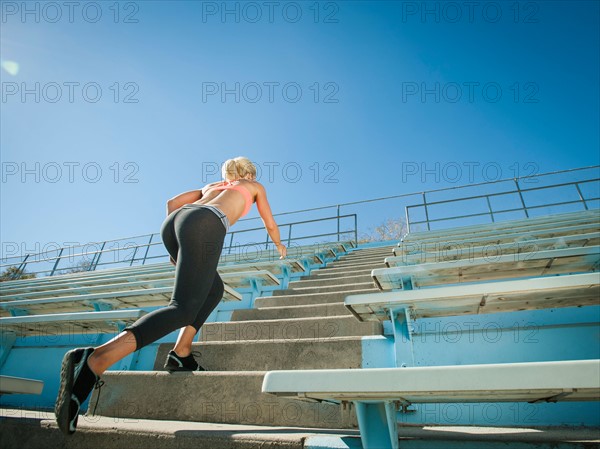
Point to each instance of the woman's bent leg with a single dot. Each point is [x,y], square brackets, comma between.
[200,234]
[111,352]
[183,347]
[200,237]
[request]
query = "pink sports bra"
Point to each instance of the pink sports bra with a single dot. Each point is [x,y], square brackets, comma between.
[240,188]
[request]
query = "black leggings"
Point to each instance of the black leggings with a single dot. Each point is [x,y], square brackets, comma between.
[193,236]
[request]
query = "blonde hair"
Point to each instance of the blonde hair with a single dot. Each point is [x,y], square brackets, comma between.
[237,168]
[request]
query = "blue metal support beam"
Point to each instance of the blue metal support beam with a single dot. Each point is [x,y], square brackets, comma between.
[377,424]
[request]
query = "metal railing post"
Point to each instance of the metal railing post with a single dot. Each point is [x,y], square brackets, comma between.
[490,208]
[521,196]
[147,249]
[338,222]
[133,256]
[230,242]
[55,263]
[426,211]
[581,196]
[95,259]
[22,266]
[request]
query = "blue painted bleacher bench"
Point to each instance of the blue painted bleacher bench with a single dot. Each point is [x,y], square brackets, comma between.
[20,385]
[570,223]
[414,253]
[535,263]
[377,393]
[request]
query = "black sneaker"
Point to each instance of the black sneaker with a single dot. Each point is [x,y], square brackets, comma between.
[176,363]
[77,381]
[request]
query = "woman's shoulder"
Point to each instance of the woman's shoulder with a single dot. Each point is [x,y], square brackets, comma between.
[207,187]
[253,186]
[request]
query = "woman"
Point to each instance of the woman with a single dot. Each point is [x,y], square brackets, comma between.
[193,233]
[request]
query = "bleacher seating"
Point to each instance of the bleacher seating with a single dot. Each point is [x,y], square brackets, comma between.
[572,290]
[561,272]
[455,250]
[497,239]
[577,224]
[134,287]
[69,298]
[377,393]
[106,301]
[538,264]
[505,266]
[527,225]
[308,256]
[20,385]
[304,350]
[81,322]
[150,286]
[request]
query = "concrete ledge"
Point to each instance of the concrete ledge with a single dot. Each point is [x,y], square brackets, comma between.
[548,435]
[215,397]
[266,355]
[314,281]
[336,272]
[276,313]
[295,328]
[21,429]
[303,299]
[331,289]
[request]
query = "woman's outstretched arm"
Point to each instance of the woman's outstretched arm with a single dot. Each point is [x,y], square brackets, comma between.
[264,209]
[182,199]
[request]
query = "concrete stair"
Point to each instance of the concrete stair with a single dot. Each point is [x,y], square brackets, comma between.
[273,313]
[212,397]
[306,326]
[22,429]
[311,328]
[37,430]
[264,355]
[304,299]
[303,327]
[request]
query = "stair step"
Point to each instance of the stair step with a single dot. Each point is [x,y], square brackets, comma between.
[212,397]
[340,280]
[356,258]
[288,329]
[350,265]
[384,249]
[310,298]
[324,288]
[35,429]
[276,313]
[22,429]
[336,273]
[267,355]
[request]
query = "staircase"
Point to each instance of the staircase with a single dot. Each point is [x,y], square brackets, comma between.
[305,326]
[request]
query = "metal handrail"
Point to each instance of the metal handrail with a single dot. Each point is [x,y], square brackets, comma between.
[230,249]
[23,259]
[426,205]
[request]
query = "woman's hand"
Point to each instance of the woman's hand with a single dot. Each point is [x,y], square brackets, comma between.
[282,250]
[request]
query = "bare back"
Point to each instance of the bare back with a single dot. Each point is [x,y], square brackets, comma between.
[231,203]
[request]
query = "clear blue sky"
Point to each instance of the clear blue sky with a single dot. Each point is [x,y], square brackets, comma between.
[528,75]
